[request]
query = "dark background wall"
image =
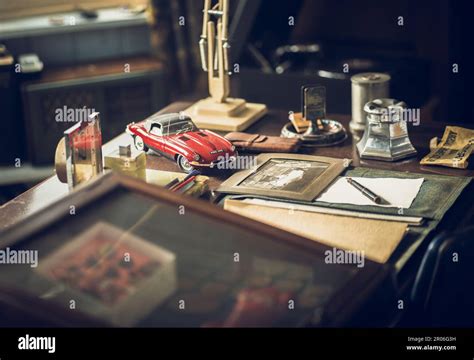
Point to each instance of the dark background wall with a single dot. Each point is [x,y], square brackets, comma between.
[435,34]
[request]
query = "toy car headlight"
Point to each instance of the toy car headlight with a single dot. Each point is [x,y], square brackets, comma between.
[196,157]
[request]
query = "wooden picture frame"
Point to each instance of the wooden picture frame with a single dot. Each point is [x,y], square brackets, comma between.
[340,309]
[308,176]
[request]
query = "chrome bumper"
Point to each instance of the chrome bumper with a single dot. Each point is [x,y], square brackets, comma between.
[214,163]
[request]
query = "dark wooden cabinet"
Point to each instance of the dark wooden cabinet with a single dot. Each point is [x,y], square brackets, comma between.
[122,91]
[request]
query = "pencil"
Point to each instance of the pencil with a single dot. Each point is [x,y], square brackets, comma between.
[183,183]
[172,183]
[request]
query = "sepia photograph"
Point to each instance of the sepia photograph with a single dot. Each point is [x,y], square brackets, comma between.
[285,175]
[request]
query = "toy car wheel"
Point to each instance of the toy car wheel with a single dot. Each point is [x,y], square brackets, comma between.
[140,144]
[184,164]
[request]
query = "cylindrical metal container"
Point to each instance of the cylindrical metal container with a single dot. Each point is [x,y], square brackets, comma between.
[366,87]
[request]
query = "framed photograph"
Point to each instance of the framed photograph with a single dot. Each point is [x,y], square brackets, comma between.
[287,176]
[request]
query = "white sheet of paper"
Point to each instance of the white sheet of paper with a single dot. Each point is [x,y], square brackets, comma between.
[399,193]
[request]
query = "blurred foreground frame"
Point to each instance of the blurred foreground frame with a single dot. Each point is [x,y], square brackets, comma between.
[137,198]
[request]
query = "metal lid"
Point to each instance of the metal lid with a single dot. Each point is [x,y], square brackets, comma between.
[384,110]
[370,78]
[379,106]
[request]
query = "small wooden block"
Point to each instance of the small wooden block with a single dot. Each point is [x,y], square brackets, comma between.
[206,118]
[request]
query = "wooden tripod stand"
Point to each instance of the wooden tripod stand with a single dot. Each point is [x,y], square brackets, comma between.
[219,111]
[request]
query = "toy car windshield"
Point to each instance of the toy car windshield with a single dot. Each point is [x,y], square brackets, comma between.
[179,127]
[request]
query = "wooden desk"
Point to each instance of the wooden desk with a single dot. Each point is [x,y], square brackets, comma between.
[51,189]
[461,215]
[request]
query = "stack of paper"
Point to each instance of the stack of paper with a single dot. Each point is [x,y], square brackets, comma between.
[376,238]
[400,193]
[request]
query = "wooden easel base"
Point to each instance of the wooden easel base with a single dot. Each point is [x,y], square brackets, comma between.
[234,115]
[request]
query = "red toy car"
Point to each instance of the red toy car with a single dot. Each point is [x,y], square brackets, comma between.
[177,137]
